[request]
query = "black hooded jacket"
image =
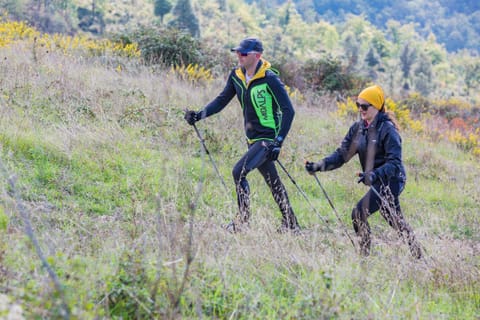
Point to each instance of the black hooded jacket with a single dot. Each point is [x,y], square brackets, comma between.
[379,148]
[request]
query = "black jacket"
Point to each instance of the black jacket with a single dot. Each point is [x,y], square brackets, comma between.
[379,148]
[267,109]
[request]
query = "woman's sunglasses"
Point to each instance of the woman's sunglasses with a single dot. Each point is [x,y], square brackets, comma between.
[364,107]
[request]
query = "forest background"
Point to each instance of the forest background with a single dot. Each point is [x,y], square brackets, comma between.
[110,208]
[426,48]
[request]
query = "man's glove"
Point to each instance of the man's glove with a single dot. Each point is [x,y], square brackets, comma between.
[273,149]
[313,167]
[367,178]
[192,116]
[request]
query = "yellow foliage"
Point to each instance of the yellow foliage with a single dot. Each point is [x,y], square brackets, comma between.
[453,102]
[84,45]
[349,109]
[12,31]
[192,73]
[402,114]
[467,143]
[294,94]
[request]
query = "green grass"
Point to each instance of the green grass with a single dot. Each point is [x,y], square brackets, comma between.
[108,175]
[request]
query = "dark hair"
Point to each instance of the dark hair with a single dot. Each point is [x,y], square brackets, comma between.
[391,117]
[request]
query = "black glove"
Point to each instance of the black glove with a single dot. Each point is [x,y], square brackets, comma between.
[313,167]
[192,116]
[273,149]
[367,178]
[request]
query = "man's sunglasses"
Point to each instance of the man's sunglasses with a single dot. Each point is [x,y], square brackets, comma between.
[244,54]
[364,107]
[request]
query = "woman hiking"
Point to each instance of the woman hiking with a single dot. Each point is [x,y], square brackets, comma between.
[377,142]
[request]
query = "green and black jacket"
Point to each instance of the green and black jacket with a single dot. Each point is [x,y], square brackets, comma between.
[267,109]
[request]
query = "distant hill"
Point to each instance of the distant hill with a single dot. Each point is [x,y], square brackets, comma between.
[456,24]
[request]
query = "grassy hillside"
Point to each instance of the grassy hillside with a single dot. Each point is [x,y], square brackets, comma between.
[110,209]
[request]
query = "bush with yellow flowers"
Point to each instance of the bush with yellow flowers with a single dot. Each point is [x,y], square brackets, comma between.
[13,31]
[349,109]
[192,73]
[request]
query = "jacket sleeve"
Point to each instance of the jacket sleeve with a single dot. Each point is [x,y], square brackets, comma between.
[221,101]
[345,152]
[280,94]
[392,144]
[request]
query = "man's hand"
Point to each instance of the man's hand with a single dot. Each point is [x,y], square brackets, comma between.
[367,178]
[192,116]
[273,149]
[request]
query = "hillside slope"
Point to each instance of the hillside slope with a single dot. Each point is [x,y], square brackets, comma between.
[109,208]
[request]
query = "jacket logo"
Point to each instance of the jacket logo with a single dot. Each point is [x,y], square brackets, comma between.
[261,102]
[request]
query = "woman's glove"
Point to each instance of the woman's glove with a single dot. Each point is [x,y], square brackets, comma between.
[313,167]
[367,178]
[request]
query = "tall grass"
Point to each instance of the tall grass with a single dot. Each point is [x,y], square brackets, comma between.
[129,212]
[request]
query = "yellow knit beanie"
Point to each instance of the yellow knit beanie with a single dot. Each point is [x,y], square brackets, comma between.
[374,95]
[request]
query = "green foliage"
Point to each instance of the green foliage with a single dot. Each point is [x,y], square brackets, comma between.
[327,74]
[185,18]
[407,59]
[90,20]
[3,220]
[161,8]
[128,295]
[109,172]
[168,46]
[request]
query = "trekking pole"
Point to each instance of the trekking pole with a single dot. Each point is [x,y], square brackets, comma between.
[334,210]
[391,212]
[302,192]
[202,141]
[385,203]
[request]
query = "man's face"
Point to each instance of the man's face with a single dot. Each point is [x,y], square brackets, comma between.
[247,60]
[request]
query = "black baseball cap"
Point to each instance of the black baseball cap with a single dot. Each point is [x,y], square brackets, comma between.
[248,45]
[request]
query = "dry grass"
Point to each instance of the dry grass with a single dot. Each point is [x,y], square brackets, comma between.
[125,130]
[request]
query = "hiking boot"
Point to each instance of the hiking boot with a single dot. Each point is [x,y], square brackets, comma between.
[231,227]
[365,243]
[236,227]
[295,229]
[415,249]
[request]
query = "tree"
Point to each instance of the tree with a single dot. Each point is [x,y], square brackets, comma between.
[185,18]
[407,58]
[372,62]
[423,75]
[161,8]
[222,5]
[472,75]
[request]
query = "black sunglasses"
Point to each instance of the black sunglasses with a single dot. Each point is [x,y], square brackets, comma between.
[363,106]
[244,54]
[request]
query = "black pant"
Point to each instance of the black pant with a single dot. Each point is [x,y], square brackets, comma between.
[255,158]
[389,206]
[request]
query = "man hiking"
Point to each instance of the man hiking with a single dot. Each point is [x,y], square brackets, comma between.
[268,114]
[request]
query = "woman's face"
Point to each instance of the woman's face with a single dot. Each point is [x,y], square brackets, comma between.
[369,114]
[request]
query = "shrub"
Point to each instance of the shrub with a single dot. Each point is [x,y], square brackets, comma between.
[193,73]
[327,74]
[168,46]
